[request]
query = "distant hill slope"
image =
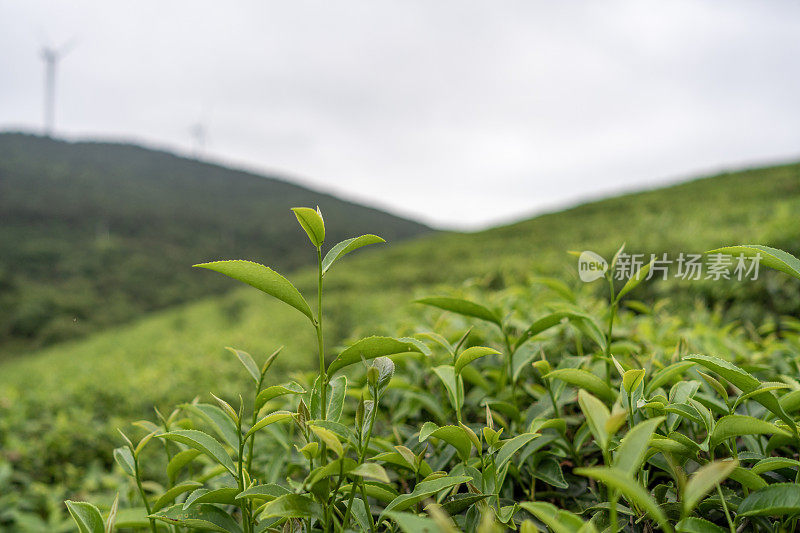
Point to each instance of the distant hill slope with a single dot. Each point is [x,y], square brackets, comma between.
[97,233]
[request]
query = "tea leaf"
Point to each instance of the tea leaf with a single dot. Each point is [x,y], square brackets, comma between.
[775,500]
[269,491]
[597,415]
[462,307]
[738,425]
[225,495]
[371,470]
[345,247]
[554,319]
[512,446]
[447,375]
[453,435]
[87,516]
[219,421]
[329,438]
[558,520]
[584,380]
[264,279]
[204,443]
[703,480]
[771,257]
[172,493]
[311,221]
[125,460]
[471,354]
[277,390]
[205,516]
[665,375]
[271,418]
[770,464]
[634,281]
[698,525]
[632,449]
[179,460]
[421,491]
[335,403]
[370,348]
[630,488]
[248,363]
[292,506]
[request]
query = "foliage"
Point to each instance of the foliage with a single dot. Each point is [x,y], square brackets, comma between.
[495,420]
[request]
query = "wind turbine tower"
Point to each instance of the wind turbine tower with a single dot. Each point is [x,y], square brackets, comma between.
[51,56]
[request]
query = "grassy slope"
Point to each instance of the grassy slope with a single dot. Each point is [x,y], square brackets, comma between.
[176,354]
[751,206]
[90,226]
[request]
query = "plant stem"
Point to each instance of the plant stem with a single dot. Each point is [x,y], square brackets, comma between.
[322,374]
[144,497]
[612,314]
[251,444]
[725,508]
[361,455]
[246,522]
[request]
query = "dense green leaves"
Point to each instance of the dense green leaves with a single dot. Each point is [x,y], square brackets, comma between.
[204,516]
[703,480]
[264,279]
[584,380]
[775,500]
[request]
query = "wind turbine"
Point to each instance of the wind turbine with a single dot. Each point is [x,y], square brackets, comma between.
[51,56]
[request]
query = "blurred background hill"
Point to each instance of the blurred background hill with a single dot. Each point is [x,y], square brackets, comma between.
[94,233]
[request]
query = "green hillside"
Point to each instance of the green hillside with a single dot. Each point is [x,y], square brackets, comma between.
[59,406]
[93,234]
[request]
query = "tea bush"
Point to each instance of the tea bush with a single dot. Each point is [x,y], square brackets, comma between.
[594,416]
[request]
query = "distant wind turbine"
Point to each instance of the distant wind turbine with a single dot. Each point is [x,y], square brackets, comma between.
[51,56]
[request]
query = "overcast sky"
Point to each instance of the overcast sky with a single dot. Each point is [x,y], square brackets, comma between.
[460,113]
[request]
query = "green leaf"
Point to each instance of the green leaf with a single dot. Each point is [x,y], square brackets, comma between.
[738,425]
[219,421]
[125,460]
[372,471]
[549,471]
[447,375]
[597,415]
[205,516]
[554,319]
[634,281]
[771,257]
[630,488]
[698,525]
[459,502]
[111,518]
[743,381]
[203,443]
[311,221]
[585,380]
[329,438]
[335,404]
[462,307]
[277,390]
[778,499]
[271,418]
[264,279]
[268,491]
[703,480]
[292,506]
[179,460]
[512,446]
[771,464]
[347,246]
[370,348]
[247,361]
[665,375]
[421,491]
[170,495]
[632,449]
[132,517]
[632,379]
[411,523]
[224,495]
[452,435]
[558,520]
[87,516]
[470,354]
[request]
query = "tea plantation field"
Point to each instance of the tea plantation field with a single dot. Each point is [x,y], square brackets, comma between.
[60,407]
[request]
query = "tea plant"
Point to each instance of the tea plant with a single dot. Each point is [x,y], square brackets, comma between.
[554,423]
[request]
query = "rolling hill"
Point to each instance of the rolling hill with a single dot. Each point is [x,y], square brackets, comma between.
[93,234]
